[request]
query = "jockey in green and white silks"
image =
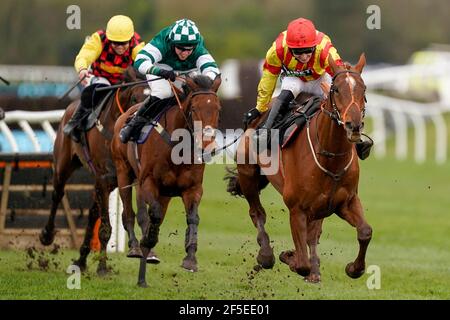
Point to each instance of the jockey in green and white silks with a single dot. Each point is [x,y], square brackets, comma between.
[178,48]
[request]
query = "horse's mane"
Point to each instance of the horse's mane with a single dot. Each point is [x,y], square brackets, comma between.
[203,82]
[131,75]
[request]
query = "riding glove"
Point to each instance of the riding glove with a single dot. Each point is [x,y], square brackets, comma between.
[167,74]
[251,115]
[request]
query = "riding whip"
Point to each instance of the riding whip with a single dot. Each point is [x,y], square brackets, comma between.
[5,81]
[123,85]
[70,89]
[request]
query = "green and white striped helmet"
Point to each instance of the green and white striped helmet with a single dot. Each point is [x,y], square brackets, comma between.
[184,32]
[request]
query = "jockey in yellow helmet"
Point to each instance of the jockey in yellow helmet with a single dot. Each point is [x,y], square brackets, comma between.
[103,59]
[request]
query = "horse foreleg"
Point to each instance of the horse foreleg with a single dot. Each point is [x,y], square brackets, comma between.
[85,248]
[314,232]
[151,237]
[105,227]
[191,200]
[299,262]
[144,220]
[128,215]
[62,172]
[257,213]
[353,214]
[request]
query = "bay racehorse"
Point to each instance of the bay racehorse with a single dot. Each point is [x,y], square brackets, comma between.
[96,157]
[318,176]
[159,176]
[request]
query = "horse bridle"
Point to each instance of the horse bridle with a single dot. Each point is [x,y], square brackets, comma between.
[335,114]
[189,119]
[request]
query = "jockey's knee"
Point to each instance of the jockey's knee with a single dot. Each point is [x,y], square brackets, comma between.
[294,85]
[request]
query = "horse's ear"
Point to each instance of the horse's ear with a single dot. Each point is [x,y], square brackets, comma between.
[130,74]
[334,67]
[361,63]
[191,84]
[325,88]
[216,83]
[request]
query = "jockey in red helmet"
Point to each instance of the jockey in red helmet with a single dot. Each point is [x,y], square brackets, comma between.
[300,56]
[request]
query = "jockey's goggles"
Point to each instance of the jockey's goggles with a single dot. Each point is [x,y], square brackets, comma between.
[120,43]
[299,51]
[183,48]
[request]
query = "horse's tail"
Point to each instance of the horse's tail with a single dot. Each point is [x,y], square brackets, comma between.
[234,188]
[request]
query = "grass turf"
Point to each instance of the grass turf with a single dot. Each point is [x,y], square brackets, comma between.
[406,205]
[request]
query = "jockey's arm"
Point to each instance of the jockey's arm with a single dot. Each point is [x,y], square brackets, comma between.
[268,82]
[207,65]
[89,52]
[136,50]
[146,58]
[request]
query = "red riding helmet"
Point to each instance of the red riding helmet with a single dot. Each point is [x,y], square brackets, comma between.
[301,33]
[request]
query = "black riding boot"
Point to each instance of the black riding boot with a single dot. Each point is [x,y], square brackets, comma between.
[139,119]
[72,127]
[281,101]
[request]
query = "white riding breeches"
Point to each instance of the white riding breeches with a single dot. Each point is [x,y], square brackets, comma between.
[94,80]
[296,85]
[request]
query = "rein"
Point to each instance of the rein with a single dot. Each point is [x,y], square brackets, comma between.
[118,101]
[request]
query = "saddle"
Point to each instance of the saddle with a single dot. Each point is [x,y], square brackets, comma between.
[294,121]
[152,119]
[291,121]
[99,100]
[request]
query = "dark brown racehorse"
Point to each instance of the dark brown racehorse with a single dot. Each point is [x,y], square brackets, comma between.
[158,177]
[69,156]
[318,176]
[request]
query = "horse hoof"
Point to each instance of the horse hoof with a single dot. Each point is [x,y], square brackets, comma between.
[152,258]
[81,265]
[142,284]
[312,278]
[47,238]
[303,271]
[102,272]
[190,265]
[266,261]
[352,272]
[135,252]
[286,256]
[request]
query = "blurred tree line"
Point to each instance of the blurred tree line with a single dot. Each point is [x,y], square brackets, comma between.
[35,32]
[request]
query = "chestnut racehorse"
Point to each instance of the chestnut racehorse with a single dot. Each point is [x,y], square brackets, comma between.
[318,176]
[159,177]
[69,156]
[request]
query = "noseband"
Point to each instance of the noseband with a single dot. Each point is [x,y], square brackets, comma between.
[189,120]
[335,114]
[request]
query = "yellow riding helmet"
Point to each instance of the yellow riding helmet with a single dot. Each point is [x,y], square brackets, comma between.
[120,28]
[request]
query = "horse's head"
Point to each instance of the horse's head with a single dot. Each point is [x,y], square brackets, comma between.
[203,106]
[346,97]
